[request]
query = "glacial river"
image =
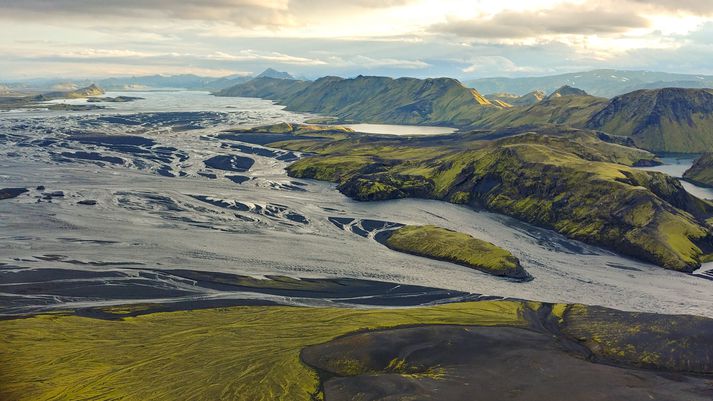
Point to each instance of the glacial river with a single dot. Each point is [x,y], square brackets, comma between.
[158,207]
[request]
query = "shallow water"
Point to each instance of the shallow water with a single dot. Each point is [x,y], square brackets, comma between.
[675,166]
[145,222]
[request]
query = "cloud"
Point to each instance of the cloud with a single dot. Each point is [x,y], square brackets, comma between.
[568,19]
[691,6]
[260,12]
[251,55]
[496,63]
[370,62]
[117,55]
[248,13]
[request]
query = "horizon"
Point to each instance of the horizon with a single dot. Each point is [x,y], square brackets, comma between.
[312,78]
[416,38]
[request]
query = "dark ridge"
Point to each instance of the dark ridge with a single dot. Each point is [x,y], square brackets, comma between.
[230,163]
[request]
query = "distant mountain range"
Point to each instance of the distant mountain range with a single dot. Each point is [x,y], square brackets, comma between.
[665,119]
[659,120]
[147,82]
[604,83]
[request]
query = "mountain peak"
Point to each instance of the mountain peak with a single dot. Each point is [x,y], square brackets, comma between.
[567,90]
[272,73]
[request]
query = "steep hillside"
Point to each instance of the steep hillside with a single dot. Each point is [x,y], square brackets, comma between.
[701,172]
[661,120]
[440,101]
[576,182]
[566,105]
[605,83]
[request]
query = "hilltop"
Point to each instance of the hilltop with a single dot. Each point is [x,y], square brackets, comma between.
[437,101]
[272,73]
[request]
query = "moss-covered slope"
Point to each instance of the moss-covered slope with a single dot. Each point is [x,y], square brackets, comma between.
[661,120]
[451,246]
[439,101]
[701,172]
[568,180]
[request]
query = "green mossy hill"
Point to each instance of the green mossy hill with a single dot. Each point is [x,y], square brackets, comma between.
[662,120]
[567,106]
[439,101]
[451,246]
[701,172]
[253,352]
[568,180]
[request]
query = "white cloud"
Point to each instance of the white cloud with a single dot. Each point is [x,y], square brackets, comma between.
[251,55]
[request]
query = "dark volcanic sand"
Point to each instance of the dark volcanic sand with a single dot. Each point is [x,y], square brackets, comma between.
[483,363]
[9,193]
[189,288]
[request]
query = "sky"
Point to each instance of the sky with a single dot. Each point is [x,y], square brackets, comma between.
[312,38]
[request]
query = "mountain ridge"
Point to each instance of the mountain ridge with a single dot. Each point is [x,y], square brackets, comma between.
[434,101]
[602,82]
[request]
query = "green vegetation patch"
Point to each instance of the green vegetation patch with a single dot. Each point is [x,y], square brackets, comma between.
[451,246]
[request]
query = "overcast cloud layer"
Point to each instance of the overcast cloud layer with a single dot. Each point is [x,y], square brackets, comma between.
[459,38]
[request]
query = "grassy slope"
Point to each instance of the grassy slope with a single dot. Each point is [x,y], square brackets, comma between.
[244,353]
[702,171]
[253,353]
[574,183]
[440,243]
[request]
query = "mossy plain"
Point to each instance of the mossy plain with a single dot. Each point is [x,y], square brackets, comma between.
[253,352]
[237,353]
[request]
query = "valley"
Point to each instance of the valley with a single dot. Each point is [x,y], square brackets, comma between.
[160,214]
